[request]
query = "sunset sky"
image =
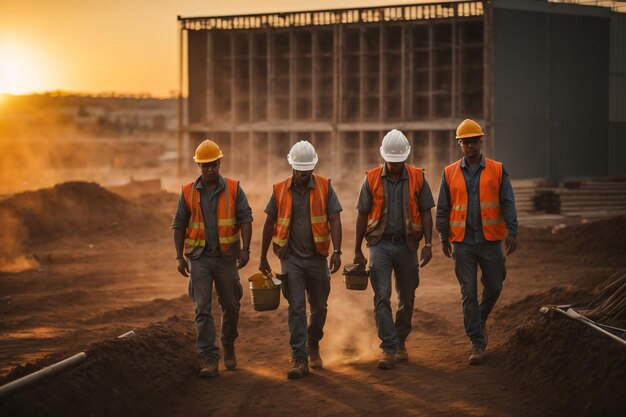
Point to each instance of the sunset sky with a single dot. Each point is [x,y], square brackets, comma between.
[101,46]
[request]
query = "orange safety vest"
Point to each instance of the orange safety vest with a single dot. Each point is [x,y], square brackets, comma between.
[375,182]
[227,227]
[318,200]
[494,227]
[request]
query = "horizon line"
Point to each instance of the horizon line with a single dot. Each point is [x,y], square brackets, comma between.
[109,94]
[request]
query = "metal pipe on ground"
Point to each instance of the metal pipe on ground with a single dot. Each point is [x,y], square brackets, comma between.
[574,315]
[36,376]
[127,334]
[13,386]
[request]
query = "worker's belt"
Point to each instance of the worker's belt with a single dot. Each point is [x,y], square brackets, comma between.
[394,238]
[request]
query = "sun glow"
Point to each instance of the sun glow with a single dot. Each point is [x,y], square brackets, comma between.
[20,70]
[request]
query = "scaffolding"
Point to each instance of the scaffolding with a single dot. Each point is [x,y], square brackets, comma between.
[339,78]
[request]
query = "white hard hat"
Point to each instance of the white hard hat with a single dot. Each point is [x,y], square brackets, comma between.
[395,147]
[302,156]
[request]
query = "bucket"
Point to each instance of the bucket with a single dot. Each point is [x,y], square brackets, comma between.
[265,292]
[355,276]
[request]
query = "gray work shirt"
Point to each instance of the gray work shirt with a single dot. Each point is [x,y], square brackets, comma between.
[300,232]
[208,204]
[393,216]
[473,224]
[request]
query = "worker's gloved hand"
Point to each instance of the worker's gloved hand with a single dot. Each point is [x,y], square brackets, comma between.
[335,262]
[427,255]
[264,266]
[183,267]
[359,258]
[243,258]
[510,244]
[446,247]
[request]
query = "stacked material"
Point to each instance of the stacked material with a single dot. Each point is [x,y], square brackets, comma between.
[540,206]
[524,191]
[536,207]
[594,198]
[610,303]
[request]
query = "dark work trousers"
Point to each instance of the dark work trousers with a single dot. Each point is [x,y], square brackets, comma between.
[205,271]
[386,257]
[310,277]
[491,260]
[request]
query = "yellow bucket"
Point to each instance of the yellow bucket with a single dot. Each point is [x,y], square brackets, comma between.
[265,292]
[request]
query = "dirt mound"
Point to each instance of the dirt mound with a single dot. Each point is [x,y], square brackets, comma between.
[598,243]
[527,309]
[573,369]
[604,237]
[66,208]
[69,209]
[121,377]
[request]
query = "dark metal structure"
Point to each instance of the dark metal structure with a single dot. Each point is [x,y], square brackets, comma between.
[551,88]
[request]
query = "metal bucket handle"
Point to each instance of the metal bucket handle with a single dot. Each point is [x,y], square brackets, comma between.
[270,278]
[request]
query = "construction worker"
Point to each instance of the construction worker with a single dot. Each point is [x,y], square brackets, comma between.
[303,216]
[475,213]
[212,212]
[394,213]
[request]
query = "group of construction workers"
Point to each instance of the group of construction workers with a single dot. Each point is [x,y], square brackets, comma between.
[475,214]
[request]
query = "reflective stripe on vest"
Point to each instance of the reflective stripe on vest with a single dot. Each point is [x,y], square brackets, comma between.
[227,227]
[318,200]
[494,227]
[375,183]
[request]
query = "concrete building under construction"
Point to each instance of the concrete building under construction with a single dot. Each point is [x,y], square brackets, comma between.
[535,74]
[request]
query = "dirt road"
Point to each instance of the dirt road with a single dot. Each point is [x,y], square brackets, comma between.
[92,287]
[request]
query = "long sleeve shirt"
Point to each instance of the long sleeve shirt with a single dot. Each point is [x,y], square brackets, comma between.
[473,225]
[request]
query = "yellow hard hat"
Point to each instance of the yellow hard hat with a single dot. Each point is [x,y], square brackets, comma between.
[468,129]
[207,151]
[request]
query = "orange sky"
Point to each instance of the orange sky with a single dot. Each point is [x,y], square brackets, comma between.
[122,46]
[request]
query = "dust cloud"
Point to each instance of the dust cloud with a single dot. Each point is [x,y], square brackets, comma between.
[25,160]
[44,142]
[17,264]
[350,332]
[47,139]
[35,159]
[11,243]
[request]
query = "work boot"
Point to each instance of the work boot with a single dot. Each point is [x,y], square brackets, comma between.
[315,360]
[299,369]
[478,355]
[230,360]
[209,370]
[387,361]
[401,354]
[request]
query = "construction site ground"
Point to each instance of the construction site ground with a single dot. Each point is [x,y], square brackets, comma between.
[96,265]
